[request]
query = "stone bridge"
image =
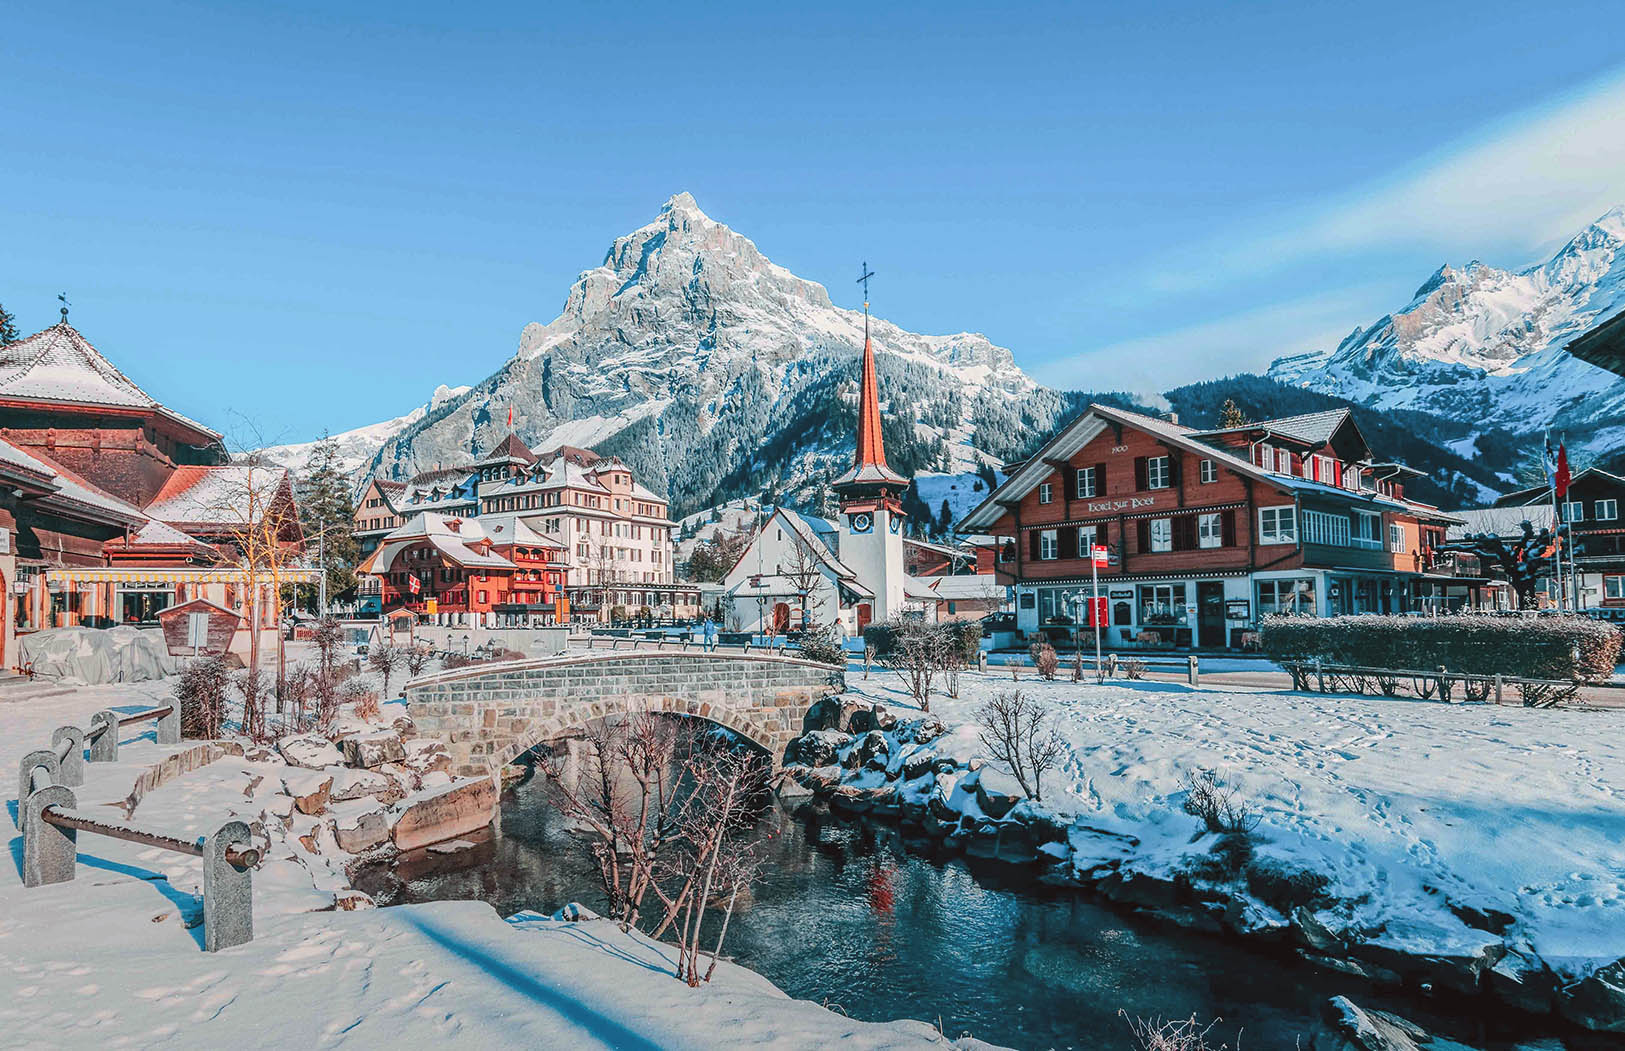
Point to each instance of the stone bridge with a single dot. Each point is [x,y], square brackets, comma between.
[490,714]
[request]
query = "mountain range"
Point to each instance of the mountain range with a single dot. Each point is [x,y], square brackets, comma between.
[717,374]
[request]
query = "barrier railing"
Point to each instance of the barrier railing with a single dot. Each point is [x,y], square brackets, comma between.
[1350,678]
[50,822]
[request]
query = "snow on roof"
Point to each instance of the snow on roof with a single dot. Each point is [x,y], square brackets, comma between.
[218,496]
[75,492]
[12,456]
[455,538]
[162,534]
[58,364]
[1313,428]
[509,528]
[966,587]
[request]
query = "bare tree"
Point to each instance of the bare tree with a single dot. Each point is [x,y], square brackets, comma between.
[386,658]
[918,654]
[1017,732]
[417,660]
[804,573]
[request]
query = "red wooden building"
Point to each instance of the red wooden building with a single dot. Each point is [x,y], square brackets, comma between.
[1209,531]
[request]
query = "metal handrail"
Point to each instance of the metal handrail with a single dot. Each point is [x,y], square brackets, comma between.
[242,858]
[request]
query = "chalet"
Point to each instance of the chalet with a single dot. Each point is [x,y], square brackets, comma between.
[439,564]
[1207,531]
[1592,510]
[113,506]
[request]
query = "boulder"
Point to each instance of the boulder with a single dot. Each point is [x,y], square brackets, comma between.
[374,749]
[360,827]
[918,764]
[350,785]
[857,717]
[997,793]
[310,791]
[311,751]
[1597,1001]
[820,747]
[928,729]
[351,900]
[425,755]
[884,720]
[824,714]
[445,812]
[1525,983]
[1344,1026]
[873,746]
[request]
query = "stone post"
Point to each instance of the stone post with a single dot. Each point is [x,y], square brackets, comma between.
[1498,685]
[45,757]
[1193,674]
[228,891]
[1111,665]
[73,763]
[169,726]
[49,852]
[103,737]
[1320,676]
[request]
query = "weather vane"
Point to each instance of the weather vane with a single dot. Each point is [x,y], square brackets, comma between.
[63,296]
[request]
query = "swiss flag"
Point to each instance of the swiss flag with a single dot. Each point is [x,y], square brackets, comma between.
[1563,478]
[413,584]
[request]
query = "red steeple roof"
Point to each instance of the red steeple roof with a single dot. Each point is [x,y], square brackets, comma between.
[871,446]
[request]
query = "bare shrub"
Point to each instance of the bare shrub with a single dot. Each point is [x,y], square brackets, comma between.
[1156,1035]
[1044,659]
[201,693]
[1219,805]
[386,659]
[417,660]
[361,697]
[252,686]
[1017,732]
[298,689]
[918,653]
[1133,668]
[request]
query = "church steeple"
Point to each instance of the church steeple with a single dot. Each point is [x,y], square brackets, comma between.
[869,467]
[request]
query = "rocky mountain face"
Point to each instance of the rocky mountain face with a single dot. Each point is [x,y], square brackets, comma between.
[715,373]
[1485,346]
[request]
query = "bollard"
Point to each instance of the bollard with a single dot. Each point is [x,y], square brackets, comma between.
[45,757]
[1320,676]
[103,737]
[1194,674]
[1498,687]
[72,759]
[228,891]
[169,726]
[1111,666]
[49,852]
[981,661]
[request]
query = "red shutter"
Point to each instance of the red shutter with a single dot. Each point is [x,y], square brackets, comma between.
[1139,474]
[1227,527]
[1143,527]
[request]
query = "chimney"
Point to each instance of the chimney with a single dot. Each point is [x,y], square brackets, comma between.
[1168,417]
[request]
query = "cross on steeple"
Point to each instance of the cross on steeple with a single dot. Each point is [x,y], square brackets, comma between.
[864,281]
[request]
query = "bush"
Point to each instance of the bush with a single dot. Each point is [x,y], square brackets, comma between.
[362,697]
[1044,659]
[201,694]
[1527,647]
[964,640]
[880,637]
[822,643]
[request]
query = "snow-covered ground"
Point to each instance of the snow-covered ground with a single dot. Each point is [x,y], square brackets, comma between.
[1409,807]
[114,958]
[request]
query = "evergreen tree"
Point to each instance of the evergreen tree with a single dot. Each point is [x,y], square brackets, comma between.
[327,508]
[945,519]
[8,328]
[1230,415]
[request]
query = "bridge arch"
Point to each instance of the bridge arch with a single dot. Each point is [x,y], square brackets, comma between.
[490,714]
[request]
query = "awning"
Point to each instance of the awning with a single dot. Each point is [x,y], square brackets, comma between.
[148,576]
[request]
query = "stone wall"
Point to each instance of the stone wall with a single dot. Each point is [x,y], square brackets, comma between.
[489,715]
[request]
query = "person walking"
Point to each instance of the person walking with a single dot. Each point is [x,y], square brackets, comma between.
[708,631]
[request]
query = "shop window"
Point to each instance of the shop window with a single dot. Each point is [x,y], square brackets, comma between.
[1291,596]
[1162,603]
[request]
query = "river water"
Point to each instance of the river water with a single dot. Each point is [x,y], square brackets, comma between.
[848,915]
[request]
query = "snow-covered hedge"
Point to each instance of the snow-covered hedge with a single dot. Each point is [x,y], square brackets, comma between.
[1532,647]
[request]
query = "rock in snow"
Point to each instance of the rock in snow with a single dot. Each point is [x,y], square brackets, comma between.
[446,812]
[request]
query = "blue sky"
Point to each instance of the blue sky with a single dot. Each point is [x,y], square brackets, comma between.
[304,218]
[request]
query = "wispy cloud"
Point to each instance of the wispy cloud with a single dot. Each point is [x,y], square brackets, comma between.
[1239,342]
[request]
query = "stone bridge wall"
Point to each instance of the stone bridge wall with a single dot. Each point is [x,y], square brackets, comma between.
[490,714]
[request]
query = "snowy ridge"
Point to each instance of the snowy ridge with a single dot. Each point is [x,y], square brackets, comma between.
[1484,344]
[358,446]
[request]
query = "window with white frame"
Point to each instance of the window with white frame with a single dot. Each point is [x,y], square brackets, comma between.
[1208,471]
[1573,511]
[1283,461]
[1047,546]
[1607,510]
[1326,470]
[1086,540]
[1045,491]
[1266,456]
[1320,527]
[1367,532]
[1162,534]
[1396,537]
[1086,482]
[1156,472]
[1613,587]
[1277,525]
[1209,529]
[1351,477]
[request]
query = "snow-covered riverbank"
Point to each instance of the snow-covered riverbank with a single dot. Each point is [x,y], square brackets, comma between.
[1461,846]
[114,959]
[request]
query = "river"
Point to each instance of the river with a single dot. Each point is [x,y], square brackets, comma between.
[848,915]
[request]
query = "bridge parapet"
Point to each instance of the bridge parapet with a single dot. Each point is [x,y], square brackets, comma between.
[490,714]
